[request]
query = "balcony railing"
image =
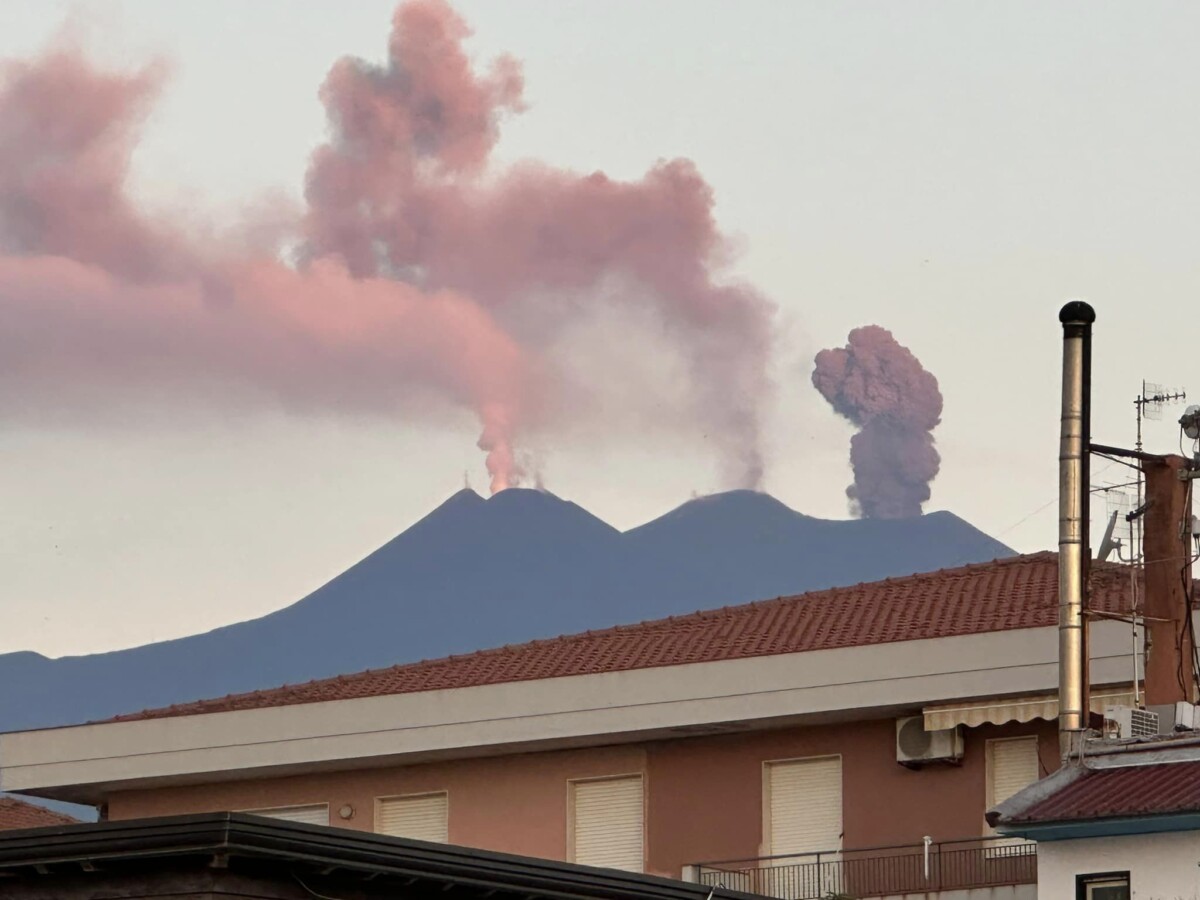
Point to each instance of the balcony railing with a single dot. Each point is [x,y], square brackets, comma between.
[880,871]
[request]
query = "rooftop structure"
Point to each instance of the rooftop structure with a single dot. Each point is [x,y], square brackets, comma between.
[15,813]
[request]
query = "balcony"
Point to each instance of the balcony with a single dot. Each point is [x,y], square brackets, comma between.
[974,864]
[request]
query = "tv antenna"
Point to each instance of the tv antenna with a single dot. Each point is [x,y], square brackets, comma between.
[1151,400]
[1120,502]
[1149,406]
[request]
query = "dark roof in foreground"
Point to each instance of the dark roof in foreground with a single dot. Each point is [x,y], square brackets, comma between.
[180,853]
[16,813]
[1120,792]
[1015,592]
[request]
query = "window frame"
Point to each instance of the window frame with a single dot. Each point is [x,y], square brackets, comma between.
[1082,882]
[413,795]
[989,786]
[594,779]
[766,848]
[989,765]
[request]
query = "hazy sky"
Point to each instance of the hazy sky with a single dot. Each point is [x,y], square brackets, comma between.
[950,171]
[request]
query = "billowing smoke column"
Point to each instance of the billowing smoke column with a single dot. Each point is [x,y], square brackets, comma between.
[423,271]
[882,388]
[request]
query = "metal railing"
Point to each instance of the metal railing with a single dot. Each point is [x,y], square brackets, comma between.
[880,871]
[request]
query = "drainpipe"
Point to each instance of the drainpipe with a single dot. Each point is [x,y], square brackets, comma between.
[1075,433]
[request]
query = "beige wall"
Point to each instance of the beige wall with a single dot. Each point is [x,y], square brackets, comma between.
[704,794]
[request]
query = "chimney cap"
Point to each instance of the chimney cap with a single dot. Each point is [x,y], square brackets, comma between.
[1077,311]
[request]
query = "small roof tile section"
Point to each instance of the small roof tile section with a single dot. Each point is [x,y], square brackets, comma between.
[16,814]
[1016,592]
[1119,792]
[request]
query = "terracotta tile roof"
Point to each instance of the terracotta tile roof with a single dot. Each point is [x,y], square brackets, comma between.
[16,813]
[1143,790]
[1016,592]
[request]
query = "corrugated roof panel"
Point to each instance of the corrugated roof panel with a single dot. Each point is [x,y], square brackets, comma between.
[1146,790]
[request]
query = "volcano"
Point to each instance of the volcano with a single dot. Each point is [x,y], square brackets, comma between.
[477,573]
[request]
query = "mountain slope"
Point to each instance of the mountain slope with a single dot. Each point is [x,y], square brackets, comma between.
[476,573]
[745,546]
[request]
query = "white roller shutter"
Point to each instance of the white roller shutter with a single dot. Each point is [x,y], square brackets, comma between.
[1012,765]
[804,805]
[608,823]
[422,817]
[313,814]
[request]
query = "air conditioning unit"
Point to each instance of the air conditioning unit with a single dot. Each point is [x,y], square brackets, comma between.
[915,746]
[1129,722]
[1178,716]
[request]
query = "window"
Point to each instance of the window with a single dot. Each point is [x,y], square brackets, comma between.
[1103,886]
[803,805]
[312,814]
[422,817]
[607,819]
[1012,764]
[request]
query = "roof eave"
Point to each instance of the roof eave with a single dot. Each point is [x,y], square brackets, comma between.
[235,835]
[1106,827]
[1004,813]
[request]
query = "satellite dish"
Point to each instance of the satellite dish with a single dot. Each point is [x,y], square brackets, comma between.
[1108,544]
[1190,421]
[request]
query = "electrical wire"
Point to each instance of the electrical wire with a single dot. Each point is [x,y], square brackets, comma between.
[311,891]
[1183,627]
[1029,516]
[1188,585]
[1112,487]
[1189,591]
[1026,518]
[1116,460]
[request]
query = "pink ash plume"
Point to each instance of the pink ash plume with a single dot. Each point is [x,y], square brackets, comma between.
[404,190]
[882,388]
[424,269]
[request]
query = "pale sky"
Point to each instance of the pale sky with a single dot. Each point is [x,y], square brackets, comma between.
[951,171]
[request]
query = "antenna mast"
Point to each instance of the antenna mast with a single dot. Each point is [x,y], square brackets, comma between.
[1148,405]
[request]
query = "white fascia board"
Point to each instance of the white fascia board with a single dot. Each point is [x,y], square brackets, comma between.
[847,683]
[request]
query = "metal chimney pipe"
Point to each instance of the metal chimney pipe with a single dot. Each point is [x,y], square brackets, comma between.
[1073,519]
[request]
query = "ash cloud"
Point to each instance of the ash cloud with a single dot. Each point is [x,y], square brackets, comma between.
[423,266]
[882,388]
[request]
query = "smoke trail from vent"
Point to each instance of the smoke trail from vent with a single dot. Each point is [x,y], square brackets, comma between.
[424,269]
[101,304]
[882,388]
[399,192]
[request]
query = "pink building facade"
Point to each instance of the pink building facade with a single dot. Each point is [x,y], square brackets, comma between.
[704,797]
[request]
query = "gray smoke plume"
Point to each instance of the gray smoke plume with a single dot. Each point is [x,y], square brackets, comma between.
[882,388]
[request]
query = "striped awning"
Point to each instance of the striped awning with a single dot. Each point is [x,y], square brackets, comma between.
[1016,709]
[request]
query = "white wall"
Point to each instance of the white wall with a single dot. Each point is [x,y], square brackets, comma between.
[1161,866]
[1008,892]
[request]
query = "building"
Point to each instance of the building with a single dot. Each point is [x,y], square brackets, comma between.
[1125,823]
[763,730]
[1121,817]
[250,858]
[16,813]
